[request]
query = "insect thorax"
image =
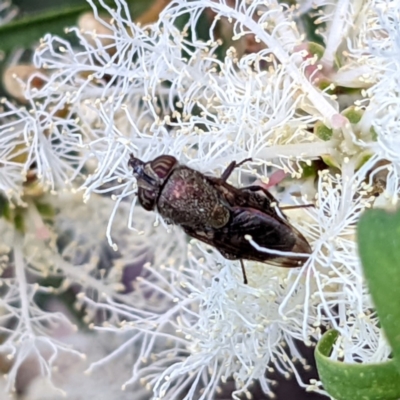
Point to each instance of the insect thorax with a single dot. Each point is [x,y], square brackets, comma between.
[188,198]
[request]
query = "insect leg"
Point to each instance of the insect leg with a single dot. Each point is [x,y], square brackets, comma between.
[297,206]
[229,169]
[256,188]
[243,271]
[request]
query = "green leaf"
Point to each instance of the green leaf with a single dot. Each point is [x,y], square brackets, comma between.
[355,381]
[19,222]
[4,207]
[24,32]
[309,27]
[46,210]
[379,246]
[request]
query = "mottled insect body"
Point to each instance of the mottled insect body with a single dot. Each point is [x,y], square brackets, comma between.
[217,213]
[188,198]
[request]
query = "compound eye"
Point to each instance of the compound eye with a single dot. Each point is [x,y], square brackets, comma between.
[163,165]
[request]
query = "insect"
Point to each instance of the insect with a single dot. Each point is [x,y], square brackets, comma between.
[211,210]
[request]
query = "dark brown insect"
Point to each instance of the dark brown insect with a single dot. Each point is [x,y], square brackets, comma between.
[217,213]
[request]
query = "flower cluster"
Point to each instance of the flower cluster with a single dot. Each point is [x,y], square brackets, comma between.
[326,116]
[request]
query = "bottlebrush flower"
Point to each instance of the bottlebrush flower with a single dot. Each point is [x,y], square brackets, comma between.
[155,89]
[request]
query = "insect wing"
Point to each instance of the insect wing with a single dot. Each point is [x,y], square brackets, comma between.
[265,230]
[251,196]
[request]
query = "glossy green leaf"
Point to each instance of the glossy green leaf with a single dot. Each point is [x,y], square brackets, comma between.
[379,247]
[355,381]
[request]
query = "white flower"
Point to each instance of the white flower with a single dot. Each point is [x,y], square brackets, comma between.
[384,105]
[26,327]
[36,142]
[74,384]
[75,252]
[188,319]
